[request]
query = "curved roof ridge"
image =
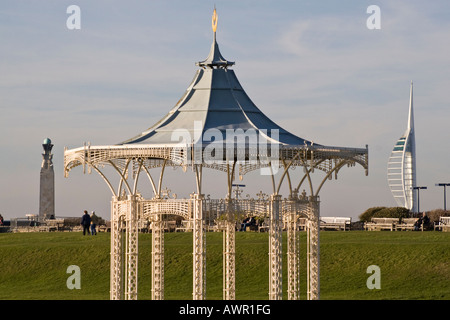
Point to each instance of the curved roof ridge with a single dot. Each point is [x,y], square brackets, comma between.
[217,100]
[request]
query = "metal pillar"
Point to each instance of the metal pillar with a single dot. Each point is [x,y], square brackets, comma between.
[199,247]
[313,251]
[157,257]
[293,289]
[275,249]
[116,276]
[132,248]
[229,254]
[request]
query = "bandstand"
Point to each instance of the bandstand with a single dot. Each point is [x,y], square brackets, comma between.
[214,126]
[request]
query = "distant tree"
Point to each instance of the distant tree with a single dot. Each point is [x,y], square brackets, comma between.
[384,212]
[393,212]
[436,214]
[367,215]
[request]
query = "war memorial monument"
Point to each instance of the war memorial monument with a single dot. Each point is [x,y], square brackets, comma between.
[47,183]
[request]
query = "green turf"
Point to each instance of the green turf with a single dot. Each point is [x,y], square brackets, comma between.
[413,265]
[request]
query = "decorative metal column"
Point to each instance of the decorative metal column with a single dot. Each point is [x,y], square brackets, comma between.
[229,247]
[313,247]
[293,289]
[132,247]
[116,283]
[275,249]
[199,247]
[157,257]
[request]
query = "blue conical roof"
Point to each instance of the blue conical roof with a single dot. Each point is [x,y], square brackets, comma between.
[214,102]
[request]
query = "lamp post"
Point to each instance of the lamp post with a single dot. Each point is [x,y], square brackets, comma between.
[443,185]
[418,196]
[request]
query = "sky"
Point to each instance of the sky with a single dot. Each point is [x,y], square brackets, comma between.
[313,67]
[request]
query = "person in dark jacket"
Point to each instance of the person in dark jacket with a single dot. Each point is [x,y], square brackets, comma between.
[86,222]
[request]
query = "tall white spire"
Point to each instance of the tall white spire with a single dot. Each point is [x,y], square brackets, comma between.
[410,155]
[402,165]
[411,112]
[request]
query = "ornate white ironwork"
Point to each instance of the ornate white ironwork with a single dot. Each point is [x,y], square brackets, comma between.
[275,249]
[157,256]
[313,251]
[117,213]
[135,156]
[292,228]
[132,248]
[127,212]
[229,254]
[199,248]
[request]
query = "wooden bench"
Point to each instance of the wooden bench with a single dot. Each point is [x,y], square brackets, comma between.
[220,225]
[253,227]
[406,224]
[335,223]
[104,228]
[170,225]
[263,227]
[55,224]
[378,224]
[302,224]
[186,225]
[443,224]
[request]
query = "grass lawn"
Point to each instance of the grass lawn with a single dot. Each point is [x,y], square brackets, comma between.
[413,265]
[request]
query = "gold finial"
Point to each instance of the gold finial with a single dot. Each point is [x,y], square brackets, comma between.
[214,20]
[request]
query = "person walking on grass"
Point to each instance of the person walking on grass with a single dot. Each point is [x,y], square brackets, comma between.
[94,222]
[86,222]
